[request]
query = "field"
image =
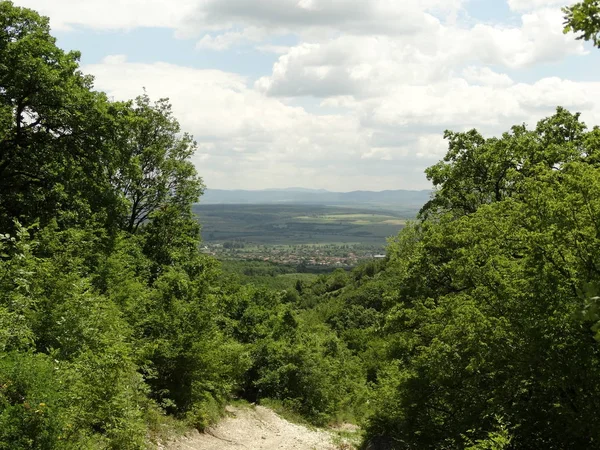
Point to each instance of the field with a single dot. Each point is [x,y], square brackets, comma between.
[297,224]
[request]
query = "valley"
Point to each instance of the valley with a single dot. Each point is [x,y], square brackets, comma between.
[311,238]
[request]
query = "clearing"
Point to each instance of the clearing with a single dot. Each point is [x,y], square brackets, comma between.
[260,428]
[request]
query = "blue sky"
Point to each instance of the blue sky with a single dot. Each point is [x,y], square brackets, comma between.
[334,94]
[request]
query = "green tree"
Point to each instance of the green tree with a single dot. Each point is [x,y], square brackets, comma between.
[584,18]
[486,317]
[52,146]
[155,172]
[67,372]
[478,171]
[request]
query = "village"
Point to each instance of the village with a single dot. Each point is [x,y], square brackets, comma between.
[309,255]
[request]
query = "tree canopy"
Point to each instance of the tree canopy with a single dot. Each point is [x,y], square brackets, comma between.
[154,171]
[52,151]
[584,18]
[486,331]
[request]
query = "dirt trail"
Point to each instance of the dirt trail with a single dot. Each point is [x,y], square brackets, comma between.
[256,428]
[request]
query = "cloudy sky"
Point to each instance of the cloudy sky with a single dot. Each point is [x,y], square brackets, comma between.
[334,94]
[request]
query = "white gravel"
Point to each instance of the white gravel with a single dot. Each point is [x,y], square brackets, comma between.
[255,428]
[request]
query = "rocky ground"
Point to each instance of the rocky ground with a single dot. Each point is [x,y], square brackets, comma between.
[259,428]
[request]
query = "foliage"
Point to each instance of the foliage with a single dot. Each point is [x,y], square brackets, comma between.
[75,361]
[486,319]
[584,18]
[106,304]
[154,171]
[52,154]
[294,359]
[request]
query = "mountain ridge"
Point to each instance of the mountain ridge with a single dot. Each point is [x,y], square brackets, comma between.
[414,198]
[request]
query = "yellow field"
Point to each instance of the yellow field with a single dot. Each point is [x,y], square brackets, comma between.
[354,219]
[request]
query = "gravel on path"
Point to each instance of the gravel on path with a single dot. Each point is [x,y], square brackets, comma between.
[255,428]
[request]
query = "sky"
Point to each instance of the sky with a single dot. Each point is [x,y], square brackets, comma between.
[332,94]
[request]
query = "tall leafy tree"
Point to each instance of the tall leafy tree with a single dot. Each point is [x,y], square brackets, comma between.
[53,156]
[584,18]
[487,333]
[478,171]
[155,172]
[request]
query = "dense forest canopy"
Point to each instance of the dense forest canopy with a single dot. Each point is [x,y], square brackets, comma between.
[479,329]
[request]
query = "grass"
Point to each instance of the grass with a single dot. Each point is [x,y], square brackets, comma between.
[163,428]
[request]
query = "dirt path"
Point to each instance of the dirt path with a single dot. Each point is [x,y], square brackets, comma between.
[257,428]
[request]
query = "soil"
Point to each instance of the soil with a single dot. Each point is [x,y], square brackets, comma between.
[257,428]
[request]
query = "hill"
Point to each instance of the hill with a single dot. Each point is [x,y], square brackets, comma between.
[393,198]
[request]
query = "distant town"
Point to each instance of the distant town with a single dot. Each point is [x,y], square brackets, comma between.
[321,255]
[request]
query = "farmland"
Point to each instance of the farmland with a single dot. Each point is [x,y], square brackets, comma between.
[298,224]
[313,238]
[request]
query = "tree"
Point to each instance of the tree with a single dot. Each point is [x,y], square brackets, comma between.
[155,172]
[486,325]
[67,375]
[53,151]
[108,311]
[478,171]
[584,18]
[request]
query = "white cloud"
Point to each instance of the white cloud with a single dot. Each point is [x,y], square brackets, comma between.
[549,92]
[529,5]
[366,66]
[112,14]
[221,24]
[349,16]
[206,15]
[539,39]
[352,65]
[380,153]
[277,49]
[115,59]
[231,38]
[241,133]
[485,76]
[210,19]
[493,109]
[247,139]
[431,147]
[453,103]
[391,76]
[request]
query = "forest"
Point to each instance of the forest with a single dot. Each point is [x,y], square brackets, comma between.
[479,330]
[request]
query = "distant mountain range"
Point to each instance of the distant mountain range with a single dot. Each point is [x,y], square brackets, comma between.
[404,198]
[291,189]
